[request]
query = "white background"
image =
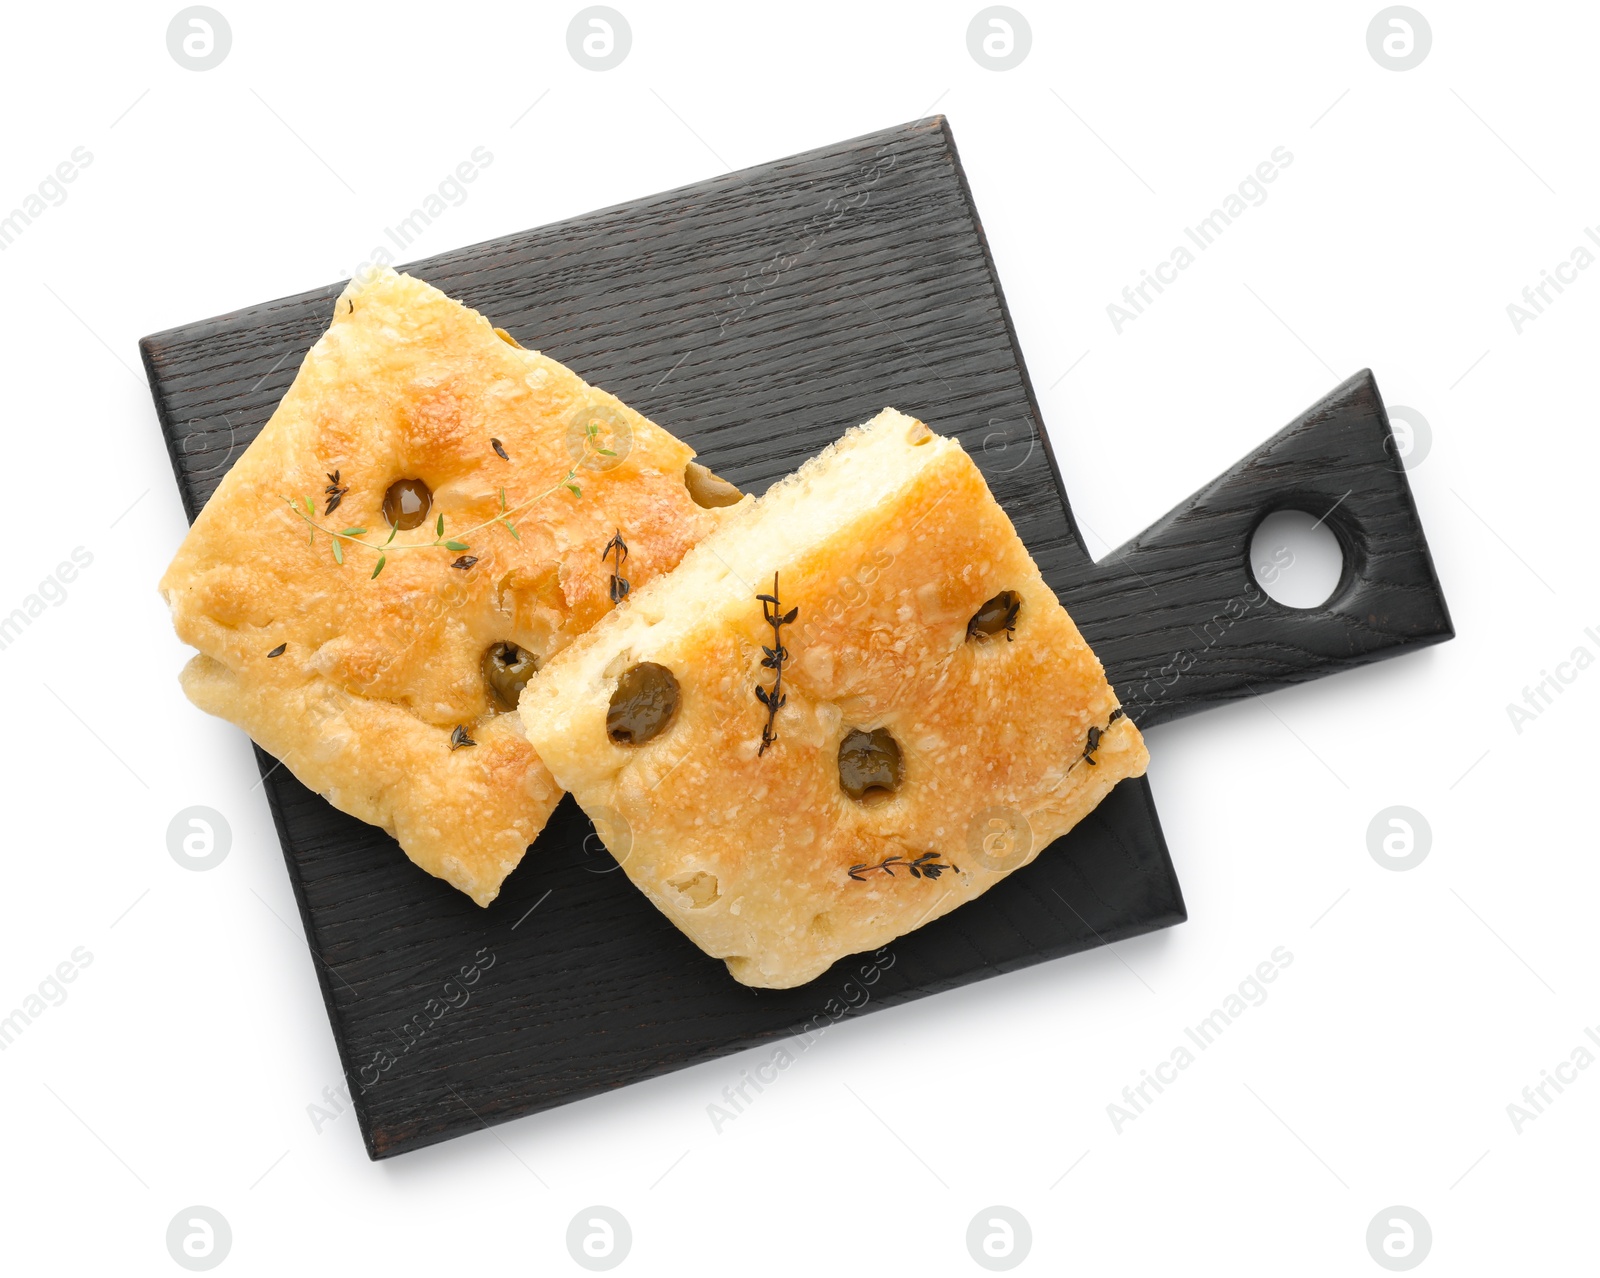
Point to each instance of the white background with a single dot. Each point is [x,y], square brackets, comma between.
[1418,1005]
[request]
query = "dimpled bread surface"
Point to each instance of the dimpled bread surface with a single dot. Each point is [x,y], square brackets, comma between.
[376,674]
[888,543]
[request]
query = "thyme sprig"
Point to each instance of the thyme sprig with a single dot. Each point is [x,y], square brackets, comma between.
[619,583]
[306,510]
[774,659]
[926,866]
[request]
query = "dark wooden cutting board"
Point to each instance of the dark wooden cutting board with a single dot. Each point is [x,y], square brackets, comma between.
[757,316]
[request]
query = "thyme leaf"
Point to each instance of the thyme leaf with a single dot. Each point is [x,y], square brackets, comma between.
[356,535]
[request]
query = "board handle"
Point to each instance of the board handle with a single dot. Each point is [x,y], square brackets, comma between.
[1177,616]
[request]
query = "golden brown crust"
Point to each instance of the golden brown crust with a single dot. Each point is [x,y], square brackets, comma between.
[888,544]
[377,673]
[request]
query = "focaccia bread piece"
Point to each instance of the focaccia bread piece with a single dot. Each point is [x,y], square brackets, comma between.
[383,667]
[940,720]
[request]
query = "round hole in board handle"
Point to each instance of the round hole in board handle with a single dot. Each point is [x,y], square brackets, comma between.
[1296,558]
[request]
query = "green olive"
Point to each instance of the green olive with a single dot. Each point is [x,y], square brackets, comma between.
[997,615]
[507,669]
[406,503]
[643,705]
[869,764]
[708,490]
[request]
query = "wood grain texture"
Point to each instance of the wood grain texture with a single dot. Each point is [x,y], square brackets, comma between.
[757,316]
[1206,631]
